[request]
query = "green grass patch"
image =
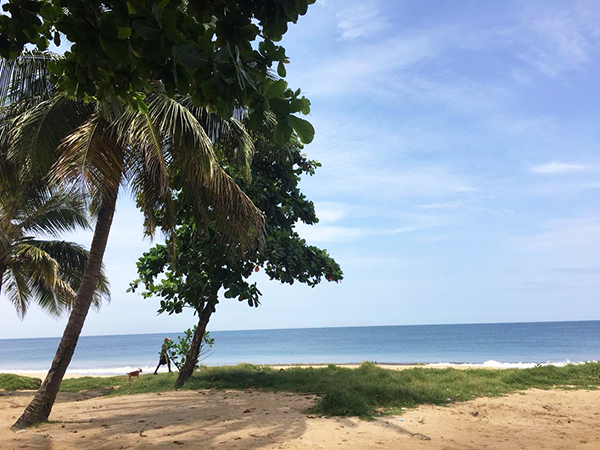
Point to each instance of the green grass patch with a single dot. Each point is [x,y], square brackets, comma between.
[11,382]
[120,386]
[364,391]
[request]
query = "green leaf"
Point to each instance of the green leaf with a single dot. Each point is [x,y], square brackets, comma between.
[123,32]
[209,89]
[188,55]
[280,107]
[296,105]
[117,51]
[282,132]
[306,108]
[146,30]
[276,89]
[303,129]
[281,69]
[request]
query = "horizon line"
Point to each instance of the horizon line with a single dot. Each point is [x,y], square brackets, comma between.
[321,328]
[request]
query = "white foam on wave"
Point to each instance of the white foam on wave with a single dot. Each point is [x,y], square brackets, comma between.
[505,365]
[147,369]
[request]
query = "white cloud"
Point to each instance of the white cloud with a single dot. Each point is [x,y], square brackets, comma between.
[557,167]
[555,40]
[577,235]
[357,19]
[328,212]
[330,233]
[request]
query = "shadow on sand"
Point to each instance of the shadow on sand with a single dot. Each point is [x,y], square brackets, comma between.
[185,419]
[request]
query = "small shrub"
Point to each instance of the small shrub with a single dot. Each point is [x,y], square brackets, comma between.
[339,402]
[11,382]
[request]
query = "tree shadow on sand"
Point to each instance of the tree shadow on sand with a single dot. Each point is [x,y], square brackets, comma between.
[198,419]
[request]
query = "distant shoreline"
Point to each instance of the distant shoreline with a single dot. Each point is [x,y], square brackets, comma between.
[489,365]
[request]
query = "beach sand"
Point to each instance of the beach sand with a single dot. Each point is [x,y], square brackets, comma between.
[534,419]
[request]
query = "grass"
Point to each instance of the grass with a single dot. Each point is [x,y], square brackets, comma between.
[10,382]
[365,391]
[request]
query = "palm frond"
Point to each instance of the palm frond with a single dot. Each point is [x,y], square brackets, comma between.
[230,135]
[91,156]
[72,259]
[16,289]
[151,137]
[229,210]
[27,76]
[36,134]
[53,212]
[143,182]
[54,300]
[35,262]
[172,129]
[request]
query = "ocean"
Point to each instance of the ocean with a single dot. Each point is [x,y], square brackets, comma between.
[498,345]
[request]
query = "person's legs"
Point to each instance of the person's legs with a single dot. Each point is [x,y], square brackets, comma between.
[157,368]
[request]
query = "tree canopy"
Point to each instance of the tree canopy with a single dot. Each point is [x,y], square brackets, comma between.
[222,53]
[200,267]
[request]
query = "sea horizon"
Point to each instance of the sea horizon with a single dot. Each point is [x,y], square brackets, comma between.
[515,344]
[315,328]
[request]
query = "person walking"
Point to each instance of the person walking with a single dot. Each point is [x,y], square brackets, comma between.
[164,356]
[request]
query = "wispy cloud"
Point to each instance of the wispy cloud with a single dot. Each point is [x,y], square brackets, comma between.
[357,19]
[557,167]
[331,233]
[555,40]
[329,212]
[579,236]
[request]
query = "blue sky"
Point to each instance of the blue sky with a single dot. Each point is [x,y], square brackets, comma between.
[460,177]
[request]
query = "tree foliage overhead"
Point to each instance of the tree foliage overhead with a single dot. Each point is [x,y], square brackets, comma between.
[219,52]
[105,144]
[201,267]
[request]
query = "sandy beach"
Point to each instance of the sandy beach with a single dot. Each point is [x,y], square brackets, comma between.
[534,419]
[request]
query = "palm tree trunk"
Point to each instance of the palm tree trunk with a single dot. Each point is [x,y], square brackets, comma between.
[191,359]
[41,405]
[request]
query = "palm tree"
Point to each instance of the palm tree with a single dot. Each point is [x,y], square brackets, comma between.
[103,146]
[47,272]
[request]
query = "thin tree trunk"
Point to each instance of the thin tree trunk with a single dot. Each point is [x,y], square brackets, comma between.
[41,405]
[191,359]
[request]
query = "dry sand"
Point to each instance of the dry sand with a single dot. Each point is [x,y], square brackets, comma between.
[250,419]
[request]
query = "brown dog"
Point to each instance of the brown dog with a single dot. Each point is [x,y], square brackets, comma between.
[134,374]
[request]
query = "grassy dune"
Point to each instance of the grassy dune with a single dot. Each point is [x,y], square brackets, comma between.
[11,382]
[365,391]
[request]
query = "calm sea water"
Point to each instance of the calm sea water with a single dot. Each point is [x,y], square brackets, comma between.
[511,344]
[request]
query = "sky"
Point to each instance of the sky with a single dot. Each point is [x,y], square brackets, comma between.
[460,179]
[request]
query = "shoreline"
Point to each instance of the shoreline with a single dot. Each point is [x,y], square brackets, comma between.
[121,371]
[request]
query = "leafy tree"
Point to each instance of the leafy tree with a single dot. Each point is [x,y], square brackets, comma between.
[131,102]
[103,145]
[45,271]
[201,268]
[178,351]
[220,52]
